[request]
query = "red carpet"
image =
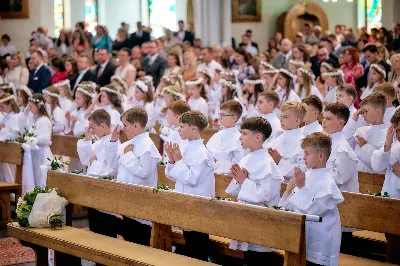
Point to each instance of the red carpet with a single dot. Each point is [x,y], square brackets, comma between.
[12,252]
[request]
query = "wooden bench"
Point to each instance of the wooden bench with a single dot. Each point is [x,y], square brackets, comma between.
[282,230]
[11,153]
[370,182]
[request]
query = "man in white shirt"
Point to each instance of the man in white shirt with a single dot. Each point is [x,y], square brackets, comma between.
[6,48]
[209,63]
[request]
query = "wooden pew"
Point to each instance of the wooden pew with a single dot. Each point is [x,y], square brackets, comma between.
[11,153]
[282,230]
[370,181]
[64,145]
[207,134]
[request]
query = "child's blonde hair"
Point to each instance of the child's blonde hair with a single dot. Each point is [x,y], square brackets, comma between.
[387,89]
[376,99]
[54,95]
[298,108]
[9,99]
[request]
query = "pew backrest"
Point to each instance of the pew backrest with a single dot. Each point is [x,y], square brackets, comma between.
[12,153]
[64,145]
[370,182]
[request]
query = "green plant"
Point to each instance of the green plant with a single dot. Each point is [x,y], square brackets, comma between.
[221,198]
[379,194]
[161,187]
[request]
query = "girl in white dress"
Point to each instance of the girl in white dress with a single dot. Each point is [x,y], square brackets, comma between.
[8,131]
[65,99]
[120,82]
[34,158]
[253,87]
[109,99]
[198,98]
[376,76]
[25,117]
[212,94]
[57,115]
[269,77]
[285,88]
[294,65]
[305,84]
[144,99]
[333,79]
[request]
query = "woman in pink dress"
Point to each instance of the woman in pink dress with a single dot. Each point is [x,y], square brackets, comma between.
[352,69]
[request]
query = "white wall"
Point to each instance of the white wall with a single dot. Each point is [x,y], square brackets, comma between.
[341,12]
[20,29]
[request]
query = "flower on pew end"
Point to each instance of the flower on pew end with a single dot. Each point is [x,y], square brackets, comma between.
[54,220]
[55,164]
[106,177]
[379,194]
[221,198]
[76,172]
[276,207]
[161,187]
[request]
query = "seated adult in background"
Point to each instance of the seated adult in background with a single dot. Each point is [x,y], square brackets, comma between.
[371,55]
[282,60]
[6,48]
[154,65]
[18,74]
[59,71]
[101,40]
[125,69]
[85,74]
[184,35]
[72,68]
[105,69]
[348,39]
[121,40]
[209,63]
[174,65]
[63,45]
[247,45]
[139,37]
[40,75]
[396,37]
[321,56]
[79,42]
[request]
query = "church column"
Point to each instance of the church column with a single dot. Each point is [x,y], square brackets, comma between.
[207,20]
[227,22]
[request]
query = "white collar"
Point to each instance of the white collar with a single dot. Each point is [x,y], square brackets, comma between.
[321,183]
[196,142]
[292,131]
[82,72]
[337,47]
[141,136]
[38,67]
[104,64]
[313,124]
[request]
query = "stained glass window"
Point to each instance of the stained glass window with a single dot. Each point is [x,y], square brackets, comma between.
[58,17]
[91,15]
[162,15]
[373,14]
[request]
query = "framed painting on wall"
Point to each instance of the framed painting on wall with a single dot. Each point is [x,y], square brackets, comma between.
[14,9]
[246,10]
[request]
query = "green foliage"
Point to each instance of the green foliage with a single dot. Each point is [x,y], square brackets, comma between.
[221,198]
[379,194]
[76,172]
[106,177]
[55,221]
[276,207]
[161,187]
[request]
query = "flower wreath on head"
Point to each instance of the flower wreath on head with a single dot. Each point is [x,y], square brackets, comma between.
[270,71]
[338,73]
[205,72]
[84,91]
[120,80]
[228,84]
[228,73]
[62,84]
[141,85]
[306,72]
[254,82]
[112,91]
[397,55]
[7,86]
[11,97]
[26,90]
[327,66]
[195,82]
[378,69]
[89,84]
[31,99]
[296,63]
[55,95]
[287,72]
[267,65]
[169,90]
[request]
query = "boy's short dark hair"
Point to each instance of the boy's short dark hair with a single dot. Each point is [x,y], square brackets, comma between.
[339,110]
[232,106]
[376,99]
[396,117]
[6,37]
[349,90]
[100,116]
[259,125]
[386,89]
[136,115]
[271,96]
[313,101]
[194,118]
[179,107]
[319,141]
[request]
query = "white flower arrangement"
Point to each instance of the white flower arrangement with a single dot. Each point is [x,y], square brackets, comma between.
[29,140]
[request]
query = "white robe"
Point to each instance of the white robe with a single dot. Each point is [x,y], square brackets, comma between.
[65,104]
[81,124]
[58,119]
[375,135]
[368,90]
[288,144]
[115,115]
[9,132]
[292,97]
[330,96]
[194,174]
[226,148]
[87,150]
[382,161]
[261,187]
[199,104]
[320,197]
[389,112]
[275,124]
[311,128]
[171,134]
[343,164]
[313,91]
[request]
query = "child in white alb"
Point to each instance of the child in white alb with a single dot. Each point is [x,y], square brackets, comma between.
[316,193]
[256,181]
[225,145]
[388,90]
[136,161]
[266,104]
[57,115]
[314,109]
[191,167]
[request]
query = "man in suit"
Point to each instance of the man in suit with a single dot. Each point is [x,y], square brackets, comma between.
[327,43]
[396,37]
[105,70]
[40,76]
[154,64]
[323,55]
[139,37]
[184,35]
[337,47]
[371,55]
[85,74]
[282,60]
[249,34]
